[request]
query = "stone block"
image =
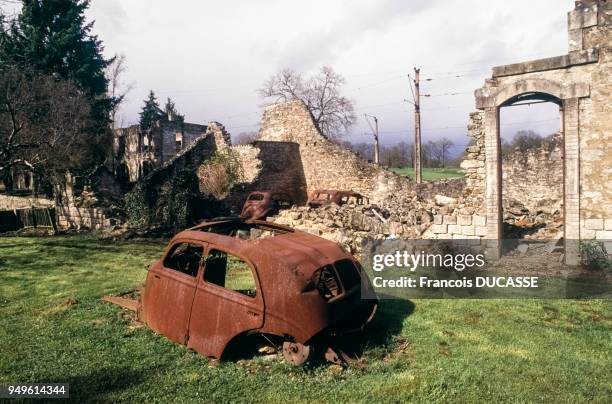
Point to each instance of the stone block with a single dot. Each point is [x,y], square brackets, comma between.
[594,224]
[454,229]
[479,220]
[439,229]
[608,224]
[444,200]
[582,18]
[438,219]
[450,219]
[587,234]
[480,230]
[575,40]
[603,235]
[468,230]
[464,220]
[469,164]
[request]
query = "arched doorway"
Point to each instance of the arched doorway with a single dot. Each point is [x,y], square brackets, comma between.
[493,97]
[532,172]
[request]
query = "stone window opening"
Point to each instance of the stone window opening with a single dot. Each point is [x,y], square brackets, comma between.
[178,141]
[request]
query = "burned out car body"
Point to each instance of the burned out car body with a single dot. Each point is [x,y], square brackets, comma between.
[322,197]
[261,204]
[302,287]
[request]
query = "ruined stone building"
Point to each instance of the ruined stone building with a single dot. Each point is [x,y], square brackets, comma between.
[137,152]
[580,83]
[571,183]
[291,155]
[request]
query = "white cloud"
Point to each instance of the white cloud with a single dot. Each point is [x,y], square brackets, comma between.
[211,56]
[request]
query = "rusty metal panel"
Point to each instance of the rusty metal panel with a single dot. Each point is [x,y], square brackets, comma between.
[219,315]
[167,300]
[126,303]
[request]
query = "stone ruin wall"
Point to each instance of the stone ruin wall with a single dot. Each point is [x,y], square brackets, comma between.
[269,166]
[526,178]
[474,163]
[166,137]
[590,56]
[326,165]
[585,73]
[292,156]
[595,125]
[130,149]
[532,189]
[12,202]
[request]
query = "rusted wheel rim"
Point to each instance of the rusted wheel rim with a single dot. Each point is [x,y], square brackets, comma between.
[295,353]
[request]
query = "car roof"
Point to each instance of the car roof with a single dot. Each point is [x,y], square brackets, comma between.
[290,248]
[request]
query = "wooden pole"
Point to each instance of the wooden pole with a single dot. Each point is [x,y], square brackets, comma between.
[375,134]
[417,128]
[376,149]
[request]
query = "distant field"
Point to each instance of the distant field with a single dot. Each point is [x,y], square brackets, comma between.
[430,174]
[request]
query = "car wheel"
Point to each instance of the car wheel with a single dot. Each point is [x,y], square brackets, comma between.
[296,353]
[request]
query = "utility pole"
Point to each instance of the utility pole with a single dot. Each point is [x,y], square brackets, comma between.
[417,128]
[375,133]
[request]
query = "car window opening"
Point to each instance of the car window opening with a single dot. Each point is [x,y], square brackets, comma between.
[244,231]
[229,272]
[256,197]
[185,258]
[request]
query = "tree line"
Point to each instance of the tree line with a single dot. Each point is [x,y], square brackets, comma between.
[55,105]
[435,153]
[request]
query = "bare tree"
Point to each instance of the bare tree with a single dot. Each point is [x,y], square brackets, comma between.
[42,124]
[333,113]
[440,150]
[286,85]
[117,88]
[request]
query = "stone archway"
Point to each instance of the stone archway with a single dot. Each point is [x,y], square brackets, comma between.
[490,99]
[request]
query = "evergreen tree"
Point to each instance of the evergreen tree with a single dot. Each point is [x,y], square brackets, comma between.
[151,113]
[52,37]
[170,111]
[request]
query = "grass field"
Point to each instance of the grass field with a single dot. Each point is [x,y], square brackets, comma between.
[53,327]
[430,174]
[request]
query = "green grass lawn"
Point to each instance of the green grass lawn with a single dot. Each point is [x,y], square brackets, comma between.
[54,328]
[430,174]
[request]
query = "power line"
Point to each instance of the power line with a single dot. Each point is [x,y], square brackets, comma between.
[448,94]
[465,126]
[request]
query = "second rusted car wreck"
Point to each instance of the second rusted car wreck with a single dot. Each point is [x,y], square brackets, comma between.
[259,205]
[225,282]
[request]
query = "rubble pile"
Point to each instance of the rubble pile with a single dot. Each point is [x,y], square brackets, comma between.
[408,217]
[541,222]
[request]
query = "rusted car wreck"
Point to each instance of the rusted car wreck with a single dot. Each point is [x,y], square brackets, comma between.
[225,282]
[262,204]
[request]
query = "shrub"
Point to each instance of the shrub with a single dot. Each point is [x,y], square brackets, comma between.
[220,173]
[594,256]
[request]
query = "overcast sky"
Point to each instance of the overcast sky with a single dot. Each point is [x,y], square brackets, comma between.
[211,56]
